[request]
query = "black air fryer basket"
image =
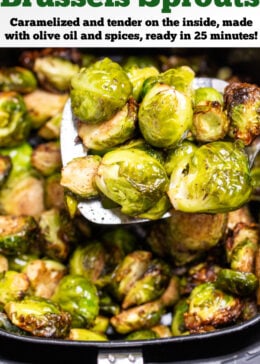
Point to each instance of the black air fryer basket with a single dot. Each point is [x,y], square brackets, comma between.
[235,344]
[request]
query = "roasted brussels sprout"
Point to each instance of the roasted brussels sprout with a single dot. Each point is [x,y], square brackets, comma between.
[112,132]
[147,334]
[238,283]
[78,296]
[86,335]
[13,286]
[210,122]
[17,79]
[14,121]
[39,316]
[99,91]
[54,192]
[78,176]
[131,178]
[54,73]
[242,101]
[210,307]
[138,76]
[43,106]
[51,129]
[46,158]
[178,326]
[165,116]
[215,178]
[5,168]
[137,318]
[17,233]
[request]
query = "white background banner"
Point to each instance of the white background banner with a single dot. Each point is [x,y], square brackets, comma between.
[235,24]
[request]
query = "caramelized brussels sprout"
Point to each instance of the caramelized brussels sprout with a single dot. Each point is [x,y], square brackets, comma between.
[17,233]
[147,334]
[242,101]
[88,261]
[17,79]
[178,326]
[13,286]
[138,75]
[54,192]
[44,276]
[165,116]
[78,176]
[210,307]
[54,73]
[43,106]
[51,129]
[46,158]
[58,233]
[215,178]
[210,122]
[14,121]
[99,91]
[39,316]
[140,317]
[78,296]
[238,283]
[112,132]
[131,178]
[150,285]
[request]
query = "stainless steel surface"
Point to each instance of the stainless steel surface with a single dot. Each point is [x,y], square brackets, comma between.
[71,147]
[131,357]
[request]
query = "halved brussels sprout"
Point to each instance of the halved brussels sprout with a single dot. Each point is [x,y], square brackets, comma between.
[238,283]
[99,91]
[165,116]
[17,79]
[46,158]
[13,286]
[138,76]
[131,178]
[17,233]
[147,334]
[14,121]
[54,73]
[86,335]
[214,178]
[39,316]
[54,192]
[78,176]
[242,102]
[210,122]
[112,132]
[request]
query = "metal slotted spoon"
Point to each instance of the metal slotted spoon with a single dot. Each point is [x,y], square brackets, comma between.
[71,147]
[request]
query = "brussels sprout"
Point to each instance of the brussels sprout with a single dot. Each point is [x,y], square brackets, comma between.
[129,271]
[51,129]
[46,158]
[44,276]
[180,78]
[140,61]
[210,122]
[89,261]
[241,247]
[250,309]
[58,234]
[78,176]
[150,285]
[20,158]
[165,116]
[99,91]
[138,76]
[107,306]
[17,233]
[241,215]
[14,122]
[172,292]
[13,286]
[238,283]
[39,316]
[147,334]
[131,178]
[178,326]
[54,192]
[112,132]
[78,296]
[183,236]
[17,79]
[175,156]
[54,73]
[242,102]
[100,324]
[43,106]
[215,178]
[210,307]
[86,335]
[19,261]
[6,324]
[158,209]
[5,168]
[141,317]
[162,331]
